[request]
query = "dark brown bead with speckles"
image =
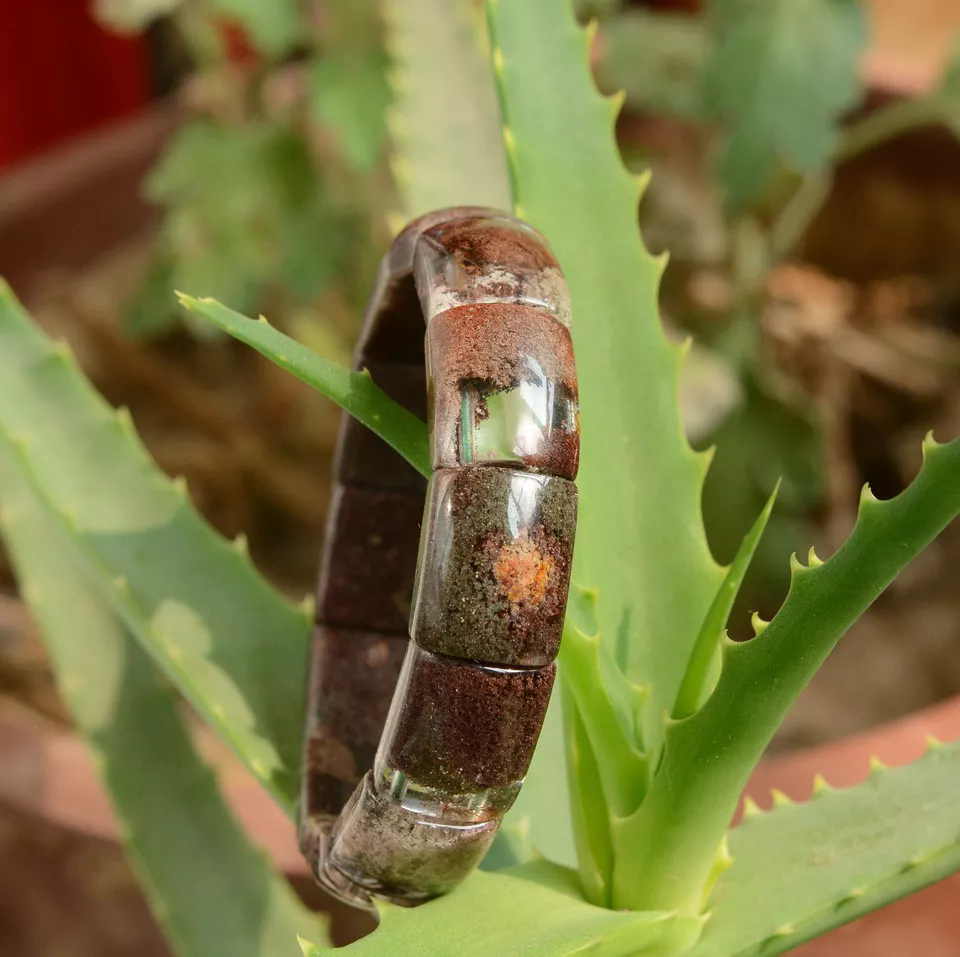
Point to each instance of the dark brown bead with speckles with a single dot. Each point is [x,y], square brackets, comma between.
[370,561]
[461,727]
[494,568]
[340,739]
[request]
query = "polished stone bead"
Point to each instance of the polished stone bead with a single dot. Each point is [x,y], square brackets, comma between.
[393,324]
[502,388]
[340,738]
[381,847]
[482,259]
[461,734]
[369,559]
[494,565]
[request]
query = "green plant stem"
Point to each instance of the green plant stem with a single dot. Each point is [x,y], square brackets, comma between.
[880,126]
[795,218]
[885,124]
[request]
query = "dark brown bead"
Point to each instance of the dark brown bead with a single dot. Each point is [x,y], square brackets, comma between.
[482,259]
[352,678]
[461,727]
[370,559]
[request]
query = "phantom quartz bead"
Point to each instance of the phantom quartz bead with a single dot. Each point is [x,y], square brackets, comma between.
[408,769]
[461,733]
[494,568]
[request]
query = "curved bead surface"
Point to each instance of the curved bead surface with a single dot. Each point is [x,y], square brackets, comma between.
[458,729]
[340,740]
[493,258]
[496,551]
[381,847]
[502,389]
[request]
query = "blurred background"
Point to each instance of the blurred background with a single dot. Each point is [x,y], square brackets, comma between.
[241,149]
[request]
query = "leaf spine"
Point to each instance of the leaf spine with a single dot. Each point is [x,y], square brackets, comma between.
[590,32]
[929,444]
[780,799]
[305,945]
[758,624]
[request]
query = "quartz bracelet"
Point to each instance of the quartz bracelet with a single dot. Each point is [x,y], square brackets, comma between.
[414,750]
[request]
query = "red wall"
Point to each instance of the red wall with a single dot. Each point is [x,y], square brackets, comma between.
[62,74]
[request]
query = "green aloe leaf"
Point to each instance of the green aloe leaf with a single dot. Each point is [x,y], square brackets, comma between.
[444,123]
[709,756]
[231,644]
[535,910]
[355,392]
[782,74]
[610,708]
[588,806]
[803,869]
[212,892]
[702,673]
[640,536]
[607,766]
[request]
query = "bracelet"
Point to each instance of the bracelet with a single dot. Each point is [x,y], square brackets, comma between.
[447,721]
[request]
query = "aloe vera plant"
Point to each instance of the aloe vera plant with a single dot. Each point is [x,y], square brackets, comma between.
[661,718]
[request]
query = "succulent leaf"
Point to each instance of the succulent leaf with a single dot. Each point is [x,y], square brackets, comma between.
[355,392]
[208,887]
[802,869]
[709,756]
[782,74]
[697,680]
[444,123]
[232,645]
[640,534]
[491,914]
